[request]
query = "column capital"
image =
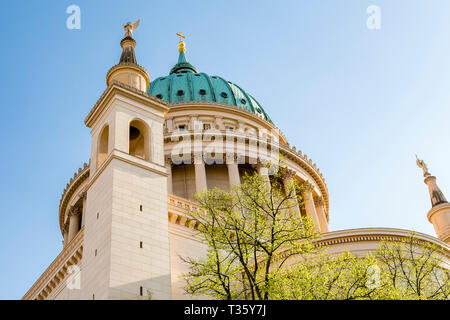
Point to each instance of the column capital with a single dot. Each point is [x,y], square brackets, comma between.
[231,158]
[74,211]
[168,161]
[319,201]
[290,174]
[308,186]
[197,158]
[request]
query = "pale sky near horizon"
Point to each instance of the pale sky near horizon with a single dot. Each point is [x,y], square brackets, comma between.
[359,102]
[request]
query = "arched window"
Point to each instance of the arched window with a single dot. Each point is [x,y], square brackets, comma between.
[102,151]
[139,140]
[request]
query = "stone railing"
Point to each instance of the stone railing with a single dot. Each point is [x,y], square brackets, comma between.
[57,272]
[177,209]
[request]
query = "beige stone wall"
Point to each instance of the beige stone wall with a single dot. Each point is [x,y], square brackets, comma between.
[184,243]
[131,265]
[96,269]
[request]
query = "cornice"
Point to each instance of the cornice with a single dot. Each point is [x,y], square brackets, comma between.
[128,91]
[124,157]
[436,209]
[307,164]
[73,251]
[377,234]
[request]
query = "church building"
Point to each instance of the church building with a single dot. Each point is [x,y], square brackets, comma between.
[122,214]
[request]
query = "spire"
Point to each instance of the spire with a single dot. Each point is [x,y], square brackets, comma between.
[128,44]
[182,66]
[436,195]
[127,71]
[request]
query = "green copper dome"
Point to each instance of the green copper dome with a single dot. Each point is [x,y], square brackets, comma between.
[185,84]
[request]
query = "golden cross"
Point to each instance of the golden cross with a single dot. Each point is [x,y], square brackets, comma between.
[181,36]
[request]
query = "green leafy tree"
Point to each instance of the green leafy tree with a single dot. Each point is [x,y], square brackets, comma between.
[259,247]
[416,269]
[250,232]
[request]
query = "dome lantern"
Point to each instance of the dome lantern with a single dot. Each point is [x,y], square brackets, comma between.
[182,66]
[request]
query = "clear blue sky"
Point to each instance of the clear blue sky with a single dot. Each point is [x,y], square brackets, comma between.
[359,102]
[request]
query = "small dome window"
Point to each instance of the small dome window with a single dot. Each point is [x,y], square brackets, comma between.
[224,95]
[214,77]
[197,75]
[202,92]
[180,93]
[243,101]
[179,75]
[163,78]
[159,96]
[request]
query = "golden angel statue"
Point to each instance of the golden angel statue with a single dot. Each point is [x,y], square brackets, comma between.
[130,27]
[421,164]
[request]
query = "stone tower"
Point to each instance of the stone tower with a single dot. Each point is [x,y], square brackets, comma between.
[439,214]
[126,243]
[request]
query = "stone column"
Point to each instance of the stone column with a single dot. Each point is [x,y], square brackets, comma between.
[263,171]
[65,235]
[200,175]
[83,213]
[288,182]
[321,215]
[309,205]
[74,221]
[233,174]
[169,178]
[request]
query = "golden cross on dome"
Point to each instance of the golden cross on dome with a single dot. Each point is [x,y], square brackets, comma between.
[181,46]
[181,36]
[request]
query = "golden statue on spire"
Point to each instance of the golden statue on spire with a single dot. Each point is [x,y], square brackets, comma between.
[181,46]
[129,28]
[421,164]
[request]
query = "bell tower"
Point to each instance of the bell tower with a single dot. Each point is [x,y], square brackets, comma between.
[439,214]
[126,242]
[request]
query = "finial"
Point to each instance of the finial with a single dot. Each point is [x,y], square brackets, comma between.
[421,164]
[129,28]
[181,46]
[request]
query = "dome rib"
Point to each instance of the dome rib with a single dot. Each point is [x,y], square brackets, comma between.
[190,86]
[229,88]
[211,88]
[169,93]
[246,95]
